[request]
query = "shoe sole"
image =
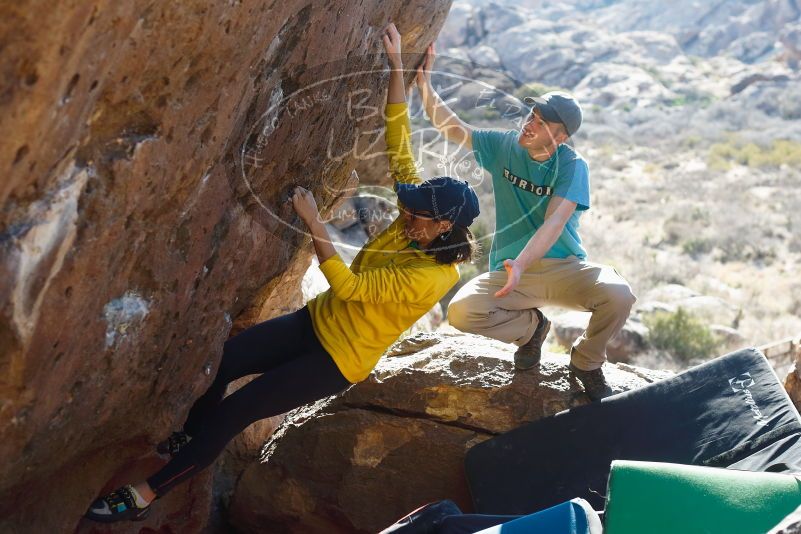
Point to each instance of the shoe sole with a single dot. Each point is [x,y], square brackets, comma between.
[166,454]
[163,449]
[546,328]
[117,518]
[572,370]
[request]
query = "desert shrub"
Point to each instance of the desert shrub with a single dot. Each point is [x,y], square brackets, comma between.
[691,141]
[481,114]
[695,246]
[554,347]
[734,248]
[697,99]
[681,334]
[779,152]
[678,101]
[490,114]
[534,89]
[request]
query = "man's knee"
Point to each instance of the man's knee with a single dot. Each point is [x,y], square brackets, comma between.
[620,298]
[461,313]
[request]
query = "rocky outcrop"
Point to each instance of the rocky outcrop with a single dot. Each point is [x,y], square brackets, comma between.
[148,151]
[791,43]
[626,344]
[397,440]
[671,297]
[188,510]
[628,55]
[240,453]
[792,382]
[705,29]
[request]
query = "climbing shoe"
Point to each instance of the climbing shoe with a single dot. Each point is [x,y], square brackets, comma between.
[119,505]
[174,443]
[528,355]
[594,382]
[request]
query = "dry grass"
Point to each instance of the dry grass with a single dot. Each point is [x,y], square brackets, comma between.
[725,233]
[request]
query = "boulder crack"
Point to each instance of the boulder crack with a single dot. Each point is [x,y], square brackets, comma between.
[409,414]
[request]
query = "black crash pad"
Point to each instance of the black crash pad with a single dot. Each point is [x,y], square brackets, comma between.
[730,412]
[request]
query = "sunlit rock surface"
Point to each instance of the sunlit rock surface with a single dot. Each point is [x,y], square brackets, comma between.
[147,154]
[397,440]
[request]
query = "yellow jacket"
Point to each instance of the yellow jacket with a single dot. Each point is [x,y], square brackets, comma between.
[389,285]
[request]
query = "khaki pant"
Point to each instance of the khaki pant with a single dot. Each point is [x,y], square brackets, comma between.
[566,283]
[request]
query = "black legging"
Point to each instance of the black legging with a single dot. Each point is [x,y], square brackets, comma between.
[297,371]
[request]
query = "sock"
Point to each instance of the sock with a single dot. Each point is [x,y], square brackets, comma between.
[138,499]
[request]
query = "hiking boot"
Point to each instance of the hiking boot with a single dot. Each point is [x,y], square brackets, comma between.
[528,355]
[594,382]
[174,443]
[119,505]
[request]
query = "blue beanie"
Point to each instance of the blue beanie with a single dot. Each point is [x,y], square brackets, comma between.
[445,197]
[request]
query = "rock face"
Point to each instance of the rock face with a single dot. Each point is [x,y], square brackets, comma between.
[187,510]
[147,154]
[628,54]
[792,382]
[359,461]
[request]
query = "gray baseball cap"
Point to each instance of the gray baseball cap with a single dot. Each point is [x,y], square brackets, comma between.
[557,106]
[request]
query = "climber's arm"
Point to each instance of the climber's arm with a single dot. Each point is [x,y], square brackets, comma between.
[442,117]
[402,166]
[306,207]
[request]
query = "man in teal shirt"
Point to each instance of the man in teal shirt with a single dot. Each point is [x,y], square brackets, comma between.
[541,187]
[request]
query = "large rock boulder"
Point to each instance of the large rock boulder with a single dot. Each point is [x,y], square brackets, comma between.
[359,461]
[148,151]
[792,382]
[187,510]
[671,297]
[462,27]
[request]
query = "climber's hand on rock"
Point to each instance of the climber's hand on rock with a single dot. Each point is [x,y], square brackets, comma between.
[305,206]
[424,70]
[513,271]
[392,44]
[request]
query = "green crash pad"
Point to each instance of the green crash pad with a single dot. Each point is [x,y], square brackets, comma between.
[667,498]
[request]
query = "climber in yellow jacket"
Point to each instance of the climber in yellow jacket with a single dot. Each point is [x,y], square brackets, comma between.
[338,338]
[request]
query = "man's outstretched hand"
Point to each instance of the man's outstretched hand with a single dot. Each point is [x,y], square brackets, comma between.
[424,70]
[513,271]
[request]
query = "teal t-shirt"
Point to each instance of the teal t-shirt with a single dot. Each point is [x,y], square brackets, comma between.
[523,188]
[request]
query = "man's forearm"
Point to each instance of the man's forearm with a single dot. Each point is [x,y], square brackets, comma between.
[442,117]
[431,101]
[539,244]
